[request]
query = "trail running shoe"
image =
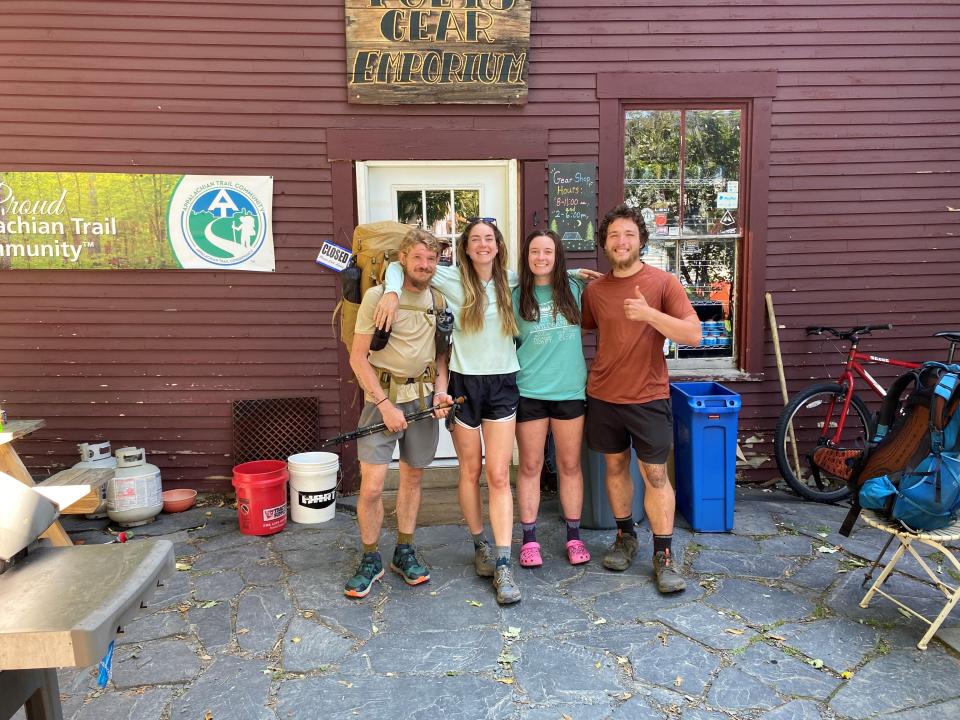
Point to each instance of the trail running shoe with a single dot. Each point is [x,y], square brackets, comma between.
[370,570]
[406,564]
[668,579]
[621,553]
[507,590]
[484,560]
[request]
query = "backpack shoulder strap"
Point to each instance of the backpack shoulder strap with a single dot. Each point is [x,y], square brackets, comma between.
[891,403]
[940,403]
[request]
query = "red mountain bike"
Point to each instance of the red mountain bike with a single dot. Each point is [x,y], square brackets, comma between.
[832,414]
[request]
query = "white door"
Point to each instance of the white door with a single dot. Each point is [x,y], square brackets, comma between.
[442,196]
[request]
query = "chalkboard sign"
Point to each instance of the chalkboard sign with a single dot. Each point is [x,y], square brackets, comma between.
[573,204]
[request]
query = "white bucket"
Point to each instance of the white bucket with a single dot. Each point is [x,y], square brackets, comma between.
[313,486]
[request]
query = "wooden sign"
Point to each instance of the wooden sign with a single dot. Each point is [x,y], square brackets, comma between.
[437,51]
[573,204]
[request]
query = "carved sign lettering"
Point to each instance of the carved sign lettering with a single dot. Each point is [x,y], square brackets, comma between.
[437,51]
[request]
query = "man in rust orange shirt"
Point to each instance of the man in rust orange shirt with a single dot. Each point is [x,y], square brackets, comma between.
[634,308]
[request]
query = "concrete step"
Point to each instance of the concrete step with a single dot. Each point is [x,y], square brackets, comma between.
[433,478]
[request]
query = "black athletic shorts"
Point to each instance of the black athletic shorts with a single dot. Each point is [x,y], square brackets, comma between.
[612,427]
[533,409]
[488,397]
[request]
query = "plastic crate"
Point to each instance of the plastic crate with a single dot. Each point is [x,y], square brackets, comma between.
[705,418]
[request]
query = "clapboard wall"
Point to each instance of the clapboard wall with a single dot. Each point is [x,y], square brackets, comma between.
[863,182]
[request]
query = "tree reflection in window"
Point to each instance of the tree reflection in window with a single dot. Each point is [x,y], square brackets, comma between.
[446,211]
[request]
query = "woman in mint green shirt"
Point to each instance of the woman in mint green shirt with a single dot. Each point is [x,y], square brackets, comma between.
[551,380]
[483,368]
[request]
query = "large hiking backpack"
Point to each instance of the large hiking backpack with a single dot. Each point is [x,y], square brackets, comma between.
[910,472]
[374,247]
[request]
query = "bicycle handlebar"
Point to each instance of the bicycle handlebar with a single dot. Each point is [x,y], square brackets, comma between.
[851,334]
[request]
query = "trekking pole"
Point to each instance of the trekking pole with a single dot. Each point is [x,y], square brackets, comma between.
[869,576]
[379,427]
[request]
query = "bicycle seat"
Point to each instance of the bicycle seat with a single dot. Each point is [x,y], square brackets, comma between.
[949,335]
[851,335]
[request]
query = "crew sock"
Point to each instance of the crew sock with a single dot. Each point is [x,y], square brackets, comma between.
[573,529]
[371,548]
[404,538]
[625,526]
[529,532]
[662,542]
[503,555]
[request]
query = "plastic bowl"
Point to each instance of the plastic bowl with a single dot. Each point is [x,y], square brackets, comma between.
[175,501]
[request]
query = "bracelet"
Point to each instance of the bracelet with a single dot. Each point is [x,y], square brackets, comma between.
[380,401]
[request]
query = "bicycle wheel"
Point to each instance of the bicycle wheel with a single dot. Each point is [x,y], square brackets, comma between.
[806,413]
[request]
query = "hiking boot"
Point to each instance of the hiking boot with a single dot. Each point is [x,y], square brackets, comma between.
[507,590]
[370,570]
[665,572]
[406,563]
[484,560]
[621,553]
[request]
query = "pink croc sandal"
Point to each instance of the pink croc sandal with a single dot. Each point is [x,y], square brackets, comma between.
[530,555]
[577,552]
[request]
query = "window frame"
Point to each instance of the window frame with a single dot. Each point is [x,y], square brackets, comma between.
[753,92]
[721,362]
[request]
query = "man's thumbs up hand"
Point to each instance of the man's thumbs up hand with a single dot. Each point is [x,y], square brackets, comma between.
[636,308]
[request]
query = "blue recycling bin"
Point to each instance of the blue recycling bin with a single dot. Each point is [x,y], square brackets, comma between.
[596,514]
[705,453]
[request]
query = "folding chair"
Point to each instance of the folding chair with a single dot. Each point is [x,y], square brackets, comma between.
[906,538]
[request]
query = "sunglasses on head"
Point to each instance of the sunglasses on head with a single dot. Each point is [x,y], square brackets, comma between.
[487,220]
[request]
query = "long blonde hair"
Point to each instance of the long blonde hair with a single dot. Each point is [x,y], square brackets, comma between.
[474,291]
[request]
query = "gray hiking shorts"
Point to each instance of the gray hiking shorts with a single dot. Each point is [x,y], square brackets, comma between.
[418,443]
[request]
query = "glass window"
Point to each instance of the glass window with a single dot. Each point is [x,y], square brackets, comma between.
[446,211]
[682,170]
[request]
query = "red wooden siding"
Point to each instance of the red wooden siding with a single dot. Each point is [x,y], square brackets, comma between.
[864,151]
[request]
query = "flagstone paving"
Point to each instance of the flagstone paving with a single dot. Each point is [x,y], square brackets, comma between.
[768,629]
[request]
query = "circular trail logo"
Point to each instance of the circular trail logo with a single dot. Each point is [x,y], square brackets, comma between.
[221,223]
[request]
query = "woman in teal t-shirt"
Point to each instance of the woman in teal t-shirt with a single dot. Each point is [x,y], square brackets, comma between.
[551,380]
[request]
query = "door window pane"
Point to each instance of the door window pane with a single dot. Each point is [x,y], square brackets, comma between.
[410,207]
[446,211]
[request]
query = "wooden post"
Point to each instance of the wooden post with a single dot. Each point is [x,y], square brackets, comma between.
[783,380]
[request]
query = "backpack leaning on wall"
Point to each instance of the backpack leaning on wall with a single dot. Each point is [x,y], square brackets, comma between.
[911,470]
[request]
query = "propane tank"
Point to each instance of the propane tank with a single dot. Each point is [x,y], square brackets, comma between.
[97,456]
[134,495]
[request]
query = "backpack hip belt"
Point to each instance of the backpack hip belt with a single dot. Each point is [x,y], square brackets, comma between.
[391,382]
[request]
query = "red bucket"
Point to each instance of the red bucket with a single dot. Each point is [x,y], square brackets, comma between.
[261,496]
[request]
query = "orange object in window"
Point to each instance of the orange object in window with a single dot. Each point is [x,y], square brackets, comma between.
[721,294]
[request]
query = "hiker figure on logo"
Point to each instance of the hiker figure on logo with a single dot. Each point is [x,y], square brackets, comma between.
[247,226]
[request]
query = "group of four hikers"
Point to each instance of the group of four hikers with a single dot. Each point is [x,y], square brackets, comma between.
[517,360]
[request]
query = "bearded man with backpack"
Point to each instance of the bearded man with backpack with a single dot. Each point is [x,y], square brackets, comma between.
[400,373]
